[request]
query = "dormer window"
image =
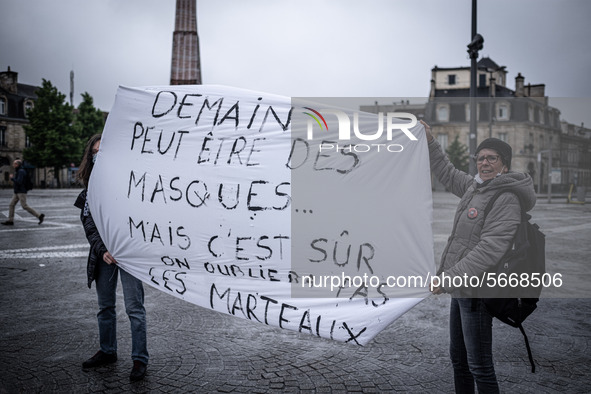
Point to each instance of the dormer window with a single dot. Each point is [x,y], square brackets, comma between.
[2,105]
[28,106]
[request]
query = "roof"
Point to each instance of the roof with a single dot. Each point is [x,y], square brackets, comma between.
[27,91]
[488,63]
[500,91]
[485,63]
[15,108]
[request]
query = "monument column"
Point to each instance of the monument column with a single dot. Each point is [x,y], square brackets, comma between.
[186,65]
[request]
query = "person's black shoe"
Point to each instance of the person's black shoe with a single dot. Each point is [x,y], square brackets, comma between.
[138,371]
[41,217]
[99,359]
[8,223]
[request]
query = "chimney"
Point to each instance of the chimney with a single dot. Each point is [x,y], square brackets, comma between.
[432,91]
[9,80]
[519,79]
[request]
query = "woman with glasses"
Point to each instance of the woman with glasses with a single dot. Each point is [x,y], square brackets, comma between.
[476,246]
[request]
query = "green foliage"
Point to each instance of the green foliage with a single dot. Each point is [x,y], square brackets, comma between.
[88,120]
[54,141]
[458,154]
[57,134]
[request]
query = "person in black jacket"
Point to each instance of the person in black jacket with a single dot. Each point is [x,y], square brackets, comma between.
[20,194]
[102,268]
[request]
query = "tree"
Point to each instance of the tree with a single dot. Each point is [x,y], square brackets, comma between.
[458,154]
[53,139]
[89,120]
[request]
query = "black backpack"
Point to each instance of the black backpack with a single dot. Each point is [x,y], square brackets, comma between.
[527,255]
[28,181]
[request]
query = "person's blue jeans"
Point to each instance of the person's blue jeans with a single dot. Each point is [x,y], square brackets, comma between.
[470,330]
[133,295]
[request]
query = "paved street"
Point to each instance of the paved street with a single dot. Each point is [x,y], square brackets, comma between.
[48,325]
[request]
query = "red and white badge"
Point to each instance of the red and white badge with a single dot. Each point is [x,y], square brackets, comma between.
[472,213]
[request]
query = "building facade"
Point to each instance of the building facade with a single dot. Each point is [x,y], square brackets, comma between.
[15,100]
[519,116]
[575,155]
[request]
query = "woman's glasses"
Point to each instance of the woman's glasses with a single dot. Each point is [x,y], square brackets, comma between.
[492,159]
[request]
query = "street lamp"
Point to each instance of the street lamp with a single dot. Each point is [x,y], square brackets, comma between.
[473,47]
[491,103]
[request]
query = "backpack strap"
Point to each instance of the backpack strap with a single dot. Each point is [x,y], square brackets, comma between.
[531,357]
[524,217]
[494,198]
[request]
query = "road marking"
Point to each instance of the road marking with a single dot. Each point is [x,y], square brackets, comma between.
[46,252]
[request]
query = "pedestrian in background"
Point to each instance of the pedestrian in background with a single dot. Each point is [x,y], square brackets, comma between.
[20,194]
[477,245]
[102,268]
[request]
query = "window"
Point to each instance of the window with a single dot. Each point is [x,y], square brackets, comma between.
[482,80]
[28,106]
[502,111]
[443,113]
[2,106]
[467,111]
[2,135]
[530,113]
[442,139]
[451,79]
[503,137]
[540,115]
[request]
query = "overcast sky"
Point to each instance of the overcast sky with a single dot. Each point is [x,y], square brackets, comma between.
[331,48]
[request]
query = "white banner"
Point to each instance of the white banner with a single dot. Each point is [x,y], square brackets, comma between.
[285,212]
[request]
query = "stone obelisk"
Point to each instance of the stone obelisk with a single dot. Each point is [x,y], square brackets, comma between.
[186,65]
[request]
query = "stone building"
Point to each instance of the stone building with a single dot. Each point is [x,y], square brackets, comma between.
[521,117]
[575,155]
[15,100]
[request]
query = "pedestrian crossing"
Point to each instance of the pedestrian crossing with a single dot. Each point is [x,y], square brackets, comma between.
[43,252]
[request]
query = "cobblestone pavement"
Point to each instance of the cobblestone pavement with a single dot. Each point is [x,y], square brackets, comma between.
[47,325]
